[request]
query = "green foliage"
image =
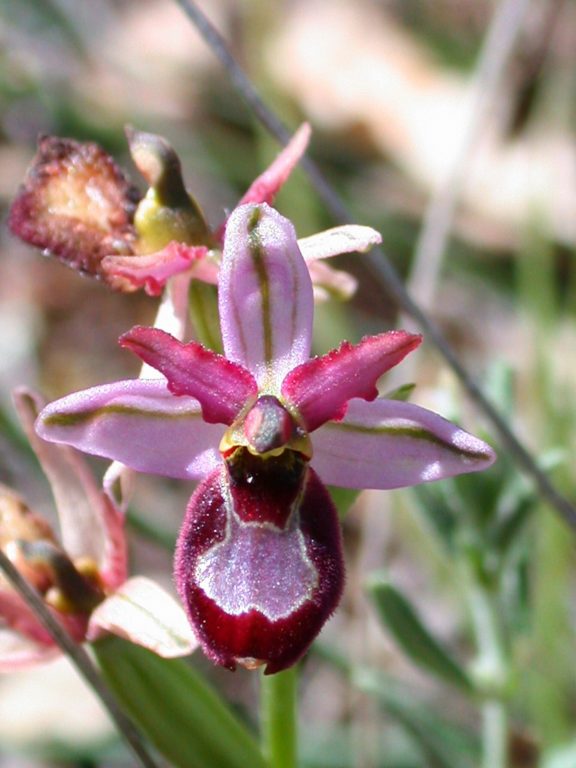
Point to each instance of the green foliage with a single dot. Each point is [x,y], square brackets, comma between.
[178,711]
[440,742]
[443,744]
[414,638]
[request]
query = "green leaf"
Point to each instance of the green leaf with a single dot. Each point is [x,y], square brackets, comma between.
[403,392]
[443,744]
[343,499]
[203,308]
[398,615]
[181,715]
[437,513]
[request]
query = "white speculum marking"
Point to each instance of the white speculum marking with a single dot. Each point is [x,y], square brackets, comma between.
[257,567]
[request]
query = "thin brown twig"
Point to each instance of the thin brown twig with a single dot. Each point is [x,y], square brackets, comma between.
[383,269]
[81,661]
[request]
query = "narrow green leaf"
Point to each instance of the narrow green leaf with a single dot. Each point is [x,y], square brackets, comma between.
[398,615]
[403,392]
[343,499]
[203,307]
[443,744]
[431,503]
[182,716]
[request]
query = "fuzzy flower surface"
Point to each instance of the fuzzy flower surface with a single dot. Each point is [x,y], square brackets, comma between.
[82,571]
[264,428]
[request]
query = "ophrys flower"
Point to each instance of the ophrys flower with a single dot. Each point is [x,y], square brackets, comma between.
[264,427]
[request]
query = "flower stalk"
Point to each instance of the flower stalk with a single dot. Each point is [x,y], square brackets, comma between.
[278,713]
[491,668]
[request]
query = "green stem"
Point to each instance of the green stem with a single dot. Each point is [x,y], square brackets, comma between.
[494,734]
[492,670]
[278,703]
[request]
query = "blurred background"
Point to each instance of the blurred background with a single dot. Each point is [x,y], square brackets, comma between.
[394,96]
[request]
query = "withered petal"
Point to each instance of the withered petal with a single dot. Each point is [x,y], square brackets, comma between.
[75,204]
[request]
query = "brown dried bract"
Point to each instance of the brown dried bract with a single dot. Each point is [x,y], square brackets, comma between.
[76,204]
[19,524]
[17,521]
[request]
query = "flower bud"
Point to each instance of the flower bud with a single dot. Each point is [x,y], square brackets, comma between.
[168,212]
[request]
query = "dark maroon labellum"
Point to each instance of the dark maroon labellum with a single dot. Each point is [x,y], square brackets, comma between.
[259,562]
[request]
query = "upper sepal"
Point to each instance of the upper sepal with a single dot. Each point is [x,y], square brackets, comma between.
[265,295]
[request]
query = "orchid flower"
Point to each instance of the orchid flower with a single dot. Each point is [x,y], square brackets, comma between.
[77,204]
[82,576]
[264,428]
[159,165]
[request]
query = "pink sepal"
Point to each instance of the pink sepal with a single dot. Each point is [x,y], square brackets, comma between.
[16,613]
[128,420]
[221,387]
[321,387]
[152,270]
[265,296]
[144,613]
[390,444]
[114,563]
[331,283]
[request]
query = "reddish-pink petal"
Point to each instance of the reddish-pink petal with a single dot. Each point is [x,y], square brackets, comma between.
[221,387]
[320,388]
[151,270]
[265,188]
